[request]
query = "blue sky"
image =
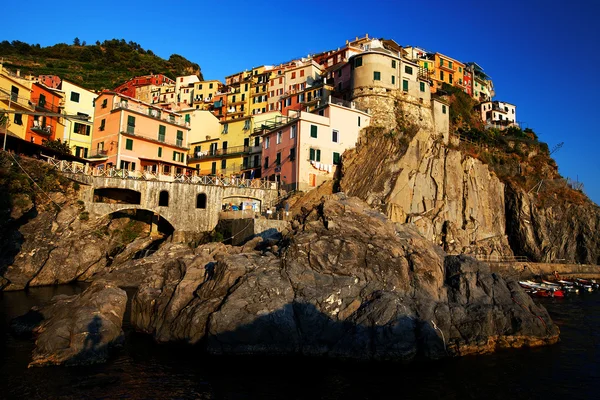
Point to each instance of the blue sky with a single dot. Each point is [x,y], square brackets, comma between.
[541,54]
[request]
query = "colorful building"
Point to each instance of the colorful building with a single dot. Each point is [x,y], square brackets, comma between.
[131,135]
[204,93]
[498,114]
[235,151]
[45,125]
[131,87]
[15,95]
[78,132]
[483,87]
[446,70]
[305,150]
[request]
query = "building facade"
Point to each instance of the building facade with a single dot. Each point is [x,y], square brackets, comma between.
[45,125]
[131,135]
[78,132]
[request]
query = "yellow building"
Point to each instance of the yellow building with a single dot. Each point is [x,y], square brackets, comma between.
[204,93]
[15,95]
[446,70]
[77,132]
[235,151]
[259,90]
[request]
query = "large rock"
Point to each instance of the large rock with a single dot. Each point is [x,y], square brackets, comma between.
[81,329]
[349,283]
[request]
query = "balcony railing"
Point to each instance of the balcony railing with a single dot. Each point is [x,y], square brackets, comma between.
[160,139]
[229,151]
[273,123]
[41,129]
[163,116]
[98,153]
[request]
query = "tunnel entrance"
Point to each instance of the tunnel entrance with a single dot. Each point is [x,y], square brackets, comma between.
[117,196]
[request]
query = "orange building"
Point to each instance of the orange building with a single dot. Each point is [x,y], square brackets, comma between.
[45,101]
[132,135]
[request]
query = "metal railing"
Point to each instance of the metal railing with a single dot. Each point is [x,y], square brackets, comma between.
[78,168]
[159,114]
[500,258]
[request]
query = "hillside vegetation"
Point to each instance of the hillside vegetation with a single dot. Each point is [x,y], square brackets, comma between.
[96,66]
[516,155]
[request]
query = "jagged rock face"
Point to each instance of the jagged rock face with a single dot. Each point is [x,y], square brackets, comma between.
[81,329]
[349,283]
[452,200]
[569,232]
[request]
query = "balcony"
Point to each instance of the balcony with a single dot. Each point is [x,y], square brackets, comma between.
[446,67]
[40,129]
[159,139]
[218,153]
[99,154]
[273,123]
[151,112]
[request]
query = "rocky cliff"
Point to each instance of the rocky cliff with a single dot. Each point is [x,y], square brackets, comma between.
[452,199]
[348,283]
[470,199]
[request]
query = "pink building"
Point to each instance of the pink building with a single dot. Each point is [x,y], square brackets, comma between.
[132,135]
[305,150]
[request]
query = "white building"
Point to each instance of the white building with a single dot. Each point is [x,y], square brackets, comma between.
[498,114]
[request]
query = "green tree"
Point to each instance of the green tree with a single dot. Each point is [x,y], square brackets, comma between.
[76,42]
[57,145]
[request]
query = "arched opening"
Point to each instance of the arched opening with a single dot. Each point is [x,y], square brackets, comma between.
[201,200]
[117,196]
[163,199]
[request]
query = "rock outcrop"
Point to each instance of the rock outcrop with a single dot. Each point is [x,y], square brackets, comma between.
[560,231]
[77,330]
[451,199]
[348,283]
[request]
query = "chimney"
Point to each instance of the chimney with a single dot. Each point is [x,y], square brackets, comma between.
[19,72]
[367,35]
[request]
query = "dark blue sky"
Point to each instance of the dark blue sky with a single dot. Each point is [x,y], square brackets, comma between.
[541,55]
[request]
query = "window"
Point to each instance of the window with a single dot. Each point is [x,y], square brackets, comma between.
[247,125]
[292,154]
[102,125]
[160,152]
[75,97]
[18,119]
[201,200]
[223,164]
[200,87]
[129,144]
[376,75]
[213,168]
[358,62]
[459,69]
[210,85]
[257,141]
[14,94]
[267,142]
[441,62]
[393,63]
[359,120]
[405,85]
[163,196]
[293,75]
[42,101]
[293,129]
[422,86]
[161,133]
[179,138]
[450,64]
[443,109]
[81,129]
[301,72]
[336,158]
[408,70]
[393,80]
[266,162]
[279,136]
[441,75]
[335,136]
[225,128]
[278,158]
[313,131]
[104,103]
[130,124]
[314,155]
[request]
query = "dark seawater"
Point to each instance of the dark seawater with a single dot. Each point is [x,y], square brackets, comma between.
[144,370]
